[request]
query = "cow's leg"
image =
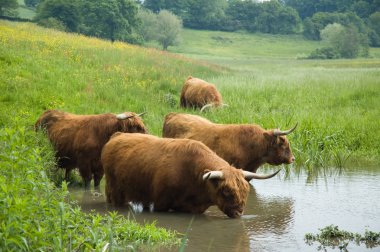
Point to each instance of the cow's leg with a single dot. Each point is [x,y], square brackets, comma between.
[98,175]
[118,198]
[67,174]
[86,175]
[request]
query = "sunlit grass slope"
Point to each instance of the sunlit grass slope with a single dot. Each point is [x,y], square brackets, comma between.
[42,69]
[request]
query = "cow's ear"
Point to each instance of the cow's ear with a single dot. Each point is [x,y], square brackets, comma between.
[270,137]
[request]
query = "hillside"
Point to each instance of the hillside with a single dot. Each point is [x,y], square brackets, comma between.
[262,79]
[43,69]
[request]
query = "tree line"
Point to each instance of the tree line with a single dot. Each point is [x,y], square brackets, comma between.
[137,21]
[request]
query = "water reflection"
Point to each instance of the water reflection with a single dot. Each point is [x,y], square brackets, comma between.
[212,230]
[278,213]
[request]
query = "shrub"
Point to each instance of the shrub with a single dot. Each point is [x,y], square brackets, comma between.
[324,53]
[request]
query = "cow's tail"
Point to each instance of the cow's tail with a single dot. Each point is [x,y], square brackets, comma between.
[213,105]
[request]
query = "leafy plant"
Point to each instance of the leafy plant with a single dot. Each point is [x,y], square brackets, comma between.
[332,236]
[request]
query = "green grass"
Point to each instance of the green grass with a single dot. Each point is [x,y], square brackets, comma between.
[335,102]
[38,216]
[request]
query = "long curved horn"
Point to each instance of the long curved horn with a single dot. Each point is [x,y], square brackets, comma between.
[206,106]
[285,132]
[213,175]
[123,116]
[251,175]
[141,114]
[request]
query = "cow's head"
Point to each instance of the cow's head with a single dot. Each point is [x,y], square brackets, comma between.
[131,122]
[229,189]
[279,151]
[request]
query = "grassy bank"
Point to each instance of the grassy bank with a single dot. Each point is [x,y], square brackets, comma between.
[42,69]
[37,216]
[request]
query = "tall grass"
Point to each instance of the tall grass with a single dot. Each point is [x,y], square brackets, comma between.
[37,215]
[335,102]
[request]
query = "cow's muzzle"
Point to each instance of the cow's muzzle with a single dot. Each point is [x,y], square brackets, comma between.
[234,212]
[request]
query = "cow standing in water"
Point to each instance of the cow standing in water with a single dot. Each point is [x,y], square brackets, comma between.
[245,146]
[174,174]
[197,93]
[79,139]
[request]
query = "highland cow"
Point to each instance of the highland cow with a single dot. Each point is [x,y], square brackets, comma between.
[79,139]
[172,174]
[197,93]
[245,146]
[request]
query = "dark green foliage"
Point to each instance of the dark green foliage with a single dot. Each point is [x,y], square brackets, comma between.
[374,25]
[7,6]
[314,25]
[307,8]
[32,3]
[277,19]
[67,12]
[332,236]
[112,20]
[266,17]
[324,53]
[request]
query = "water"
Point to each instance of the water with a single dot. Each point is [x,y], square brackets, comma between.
[278,213]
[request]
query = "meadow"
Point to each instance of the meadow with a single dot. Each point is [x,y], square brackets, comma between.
[261,77]
[335,102]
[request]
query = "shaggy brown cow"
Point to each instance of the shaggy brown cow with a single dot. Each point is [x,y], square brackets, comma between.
[173,174]
[78,139]
[244,146]
[200,94]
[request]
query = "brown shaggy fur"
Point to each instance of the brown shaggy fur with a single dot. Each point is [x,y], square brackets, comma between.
[78,139]
[198,93]
[243,146]
[168,173]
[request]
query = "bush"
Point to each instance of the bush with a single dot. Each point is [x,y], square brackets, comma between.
[346,40]
[324,53]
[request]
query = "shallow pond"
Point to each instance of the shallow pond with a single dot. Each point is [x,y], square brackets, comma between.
[278,214]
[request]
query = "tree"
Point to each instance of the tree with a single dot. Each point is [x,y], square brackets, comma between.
[64,11]
[8,6]
[275,18]
[362,9]
[347,41]
[32,3]
[148,27]
[109,19]
[168,29]
[374,25]
[313,25]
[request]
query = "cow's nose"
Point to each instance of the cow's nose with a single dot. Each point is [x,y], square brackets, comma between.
[293,159]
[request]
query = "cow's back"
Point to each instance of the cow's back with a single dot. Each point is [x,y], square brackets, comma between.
[144,168]
[197,93]
[178,125]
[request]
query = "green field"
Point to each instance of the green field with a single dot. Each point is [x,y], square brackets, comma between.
[335,102]
[25,11]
